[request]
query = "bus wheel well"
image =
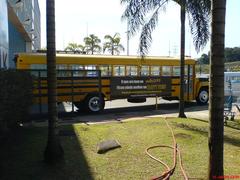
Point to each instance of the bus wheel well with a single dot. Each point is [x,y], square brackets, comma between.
[94,94]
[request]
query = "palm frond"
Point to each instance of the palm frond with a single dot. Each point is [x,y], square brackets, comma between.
[136,10]
[135,13]
[108,37]
[146,34]
[199,18]
[106,45]
[120,47]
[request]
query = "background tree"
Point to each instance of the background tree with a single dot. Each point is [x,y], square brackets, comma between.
[232,54]
[53,152]
[198,13]
[75,47]
[204,59]
[92,44]
[216,107]
[113,44]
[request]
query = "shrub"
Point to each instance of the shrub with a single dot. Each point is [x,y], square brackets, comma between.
[15,98]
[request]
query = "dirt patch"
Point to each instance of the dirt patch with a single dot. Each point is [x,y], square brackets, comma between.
[155,123]
[182,135]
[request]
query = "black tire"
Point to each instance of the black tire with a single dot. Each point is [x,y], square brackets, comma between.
[94,103]
[203,96]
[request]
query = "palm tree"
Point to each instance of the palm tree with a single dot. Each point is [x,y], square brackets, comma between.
[53,152]
[198,12]
[113,44]
[75,47]
[92,44]
[216,107]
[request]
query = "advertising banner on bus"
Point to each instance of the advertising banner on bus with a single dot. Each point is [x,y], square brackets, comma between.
[133,87]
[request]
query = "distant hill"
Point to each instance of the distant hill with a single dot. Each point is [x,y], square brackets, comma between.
[231,66]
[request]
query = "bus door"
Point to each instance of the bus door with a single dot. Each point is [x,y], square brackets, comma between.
[188,90]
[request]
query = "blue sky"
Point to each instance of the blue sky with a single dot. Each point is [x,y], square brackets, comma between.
[78,19]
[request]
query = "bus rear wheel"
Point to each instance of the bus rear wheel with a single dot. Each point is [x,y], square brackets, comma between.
[94,103]
[202,97]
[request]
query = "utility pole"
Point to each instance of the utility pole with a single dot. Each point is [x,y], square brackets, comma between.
[128,38]
[169,48]
[87,28]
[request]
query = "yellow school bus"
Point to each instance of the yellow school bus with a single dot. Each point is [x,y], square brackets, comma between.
[90,80]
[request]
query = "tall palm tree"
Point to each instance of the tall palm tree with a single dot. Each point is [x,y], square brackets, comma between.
[113,44]
[198,12]
[54,151]
[75,47]
[92,44]
[216,126]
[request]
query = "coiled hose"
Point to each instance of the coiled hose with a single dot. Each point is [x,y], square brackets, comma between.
[169,171]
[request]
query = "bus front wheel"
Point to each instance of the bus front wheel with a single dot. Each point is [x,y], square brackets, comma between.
[202,97]
[94,103]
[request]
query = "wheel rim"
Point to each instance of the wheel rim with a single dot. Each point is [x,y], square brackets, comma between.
[203,96]
[94,104]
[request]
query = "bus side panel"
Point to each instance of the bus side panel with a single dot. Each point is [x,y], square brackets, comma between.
[70,90]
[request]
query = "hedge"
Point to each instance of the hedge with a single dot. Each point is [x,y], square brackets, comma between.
[15,98]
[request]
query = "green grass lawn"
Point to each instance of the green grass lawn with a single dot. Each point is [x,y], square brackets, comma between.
[22,158]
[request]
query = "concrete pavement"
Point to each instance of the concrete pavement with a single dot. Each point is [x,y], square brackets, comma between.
[191,111]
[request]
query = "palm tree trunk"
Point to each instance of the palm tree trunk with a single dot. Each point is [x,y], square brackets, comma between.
[53,152]
[182,59]
[92,48]
[216,126]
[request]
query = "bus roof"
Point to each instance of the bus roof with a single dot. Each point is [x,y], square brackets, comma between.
[34,58]
[107,56]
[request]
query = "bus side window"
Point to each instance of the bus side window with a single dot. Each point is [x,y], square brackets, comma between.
[91,73]
[166,70]
[131,70]
[145,71]
[176,71]
[155,70]
[191,70]
[105,70]
[186,70]
[39,67]
[62,73]
[119,70]
[77,70]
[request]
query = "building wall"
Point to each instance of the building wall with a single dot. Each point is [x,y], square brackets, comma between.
[24,27]
[16,43]
[3,34]
[36,25]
